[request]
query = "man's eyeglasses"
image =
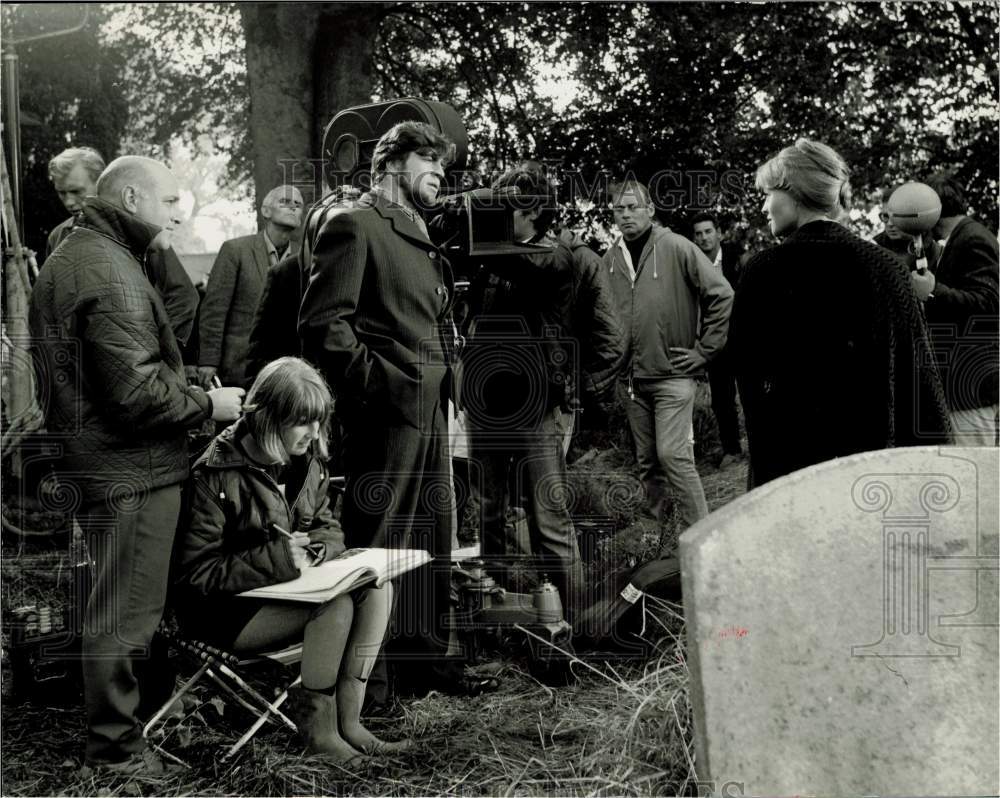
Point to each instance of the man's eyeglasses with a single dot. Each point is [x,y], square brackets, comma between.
[884,217]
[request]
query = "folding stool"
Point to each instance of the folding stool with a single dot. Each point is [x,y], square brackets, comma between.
[223,668]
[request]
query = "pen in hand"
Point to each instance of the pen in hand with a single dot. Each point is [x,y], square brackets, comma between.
[283,531]
[297,540]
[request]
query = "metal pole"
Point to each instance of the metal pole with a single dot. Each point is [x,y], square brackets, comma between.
[12,129]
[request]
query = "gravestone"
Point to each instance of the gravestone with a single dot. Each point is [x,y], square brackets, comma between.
[842,629]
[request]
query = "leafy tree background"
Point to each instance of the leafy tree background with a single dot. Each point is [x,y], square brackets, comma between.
[71,92]
[702,91]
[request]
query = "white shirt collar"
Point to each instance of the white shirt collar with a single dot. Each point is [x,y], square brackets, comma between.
[272,248]
[627,257]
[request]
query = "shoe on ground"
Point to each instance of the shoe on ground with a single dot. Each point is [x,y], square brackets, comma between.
[456,680]
[146,764]
[729,460]
[468,685]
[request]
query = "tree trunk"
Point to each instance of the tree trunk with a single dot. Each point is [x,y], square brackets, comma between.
[345,47]
[280,43]
[305,62]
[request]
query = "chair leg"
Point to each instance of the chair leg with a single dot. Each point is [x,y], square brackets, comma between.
[257,696]
[151,723]
[223,685]
[264,717]
[232,684]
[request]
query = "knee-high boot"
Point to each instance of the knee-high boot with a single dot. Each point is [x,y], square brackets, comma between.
[315,715]
[350,696]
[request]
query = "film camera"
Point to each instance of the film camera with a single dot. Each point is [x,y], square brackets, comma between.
[472,223]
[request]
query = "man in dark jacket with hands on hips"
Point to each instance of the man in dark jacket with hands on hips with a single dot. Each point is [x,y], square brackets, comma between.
[114,394]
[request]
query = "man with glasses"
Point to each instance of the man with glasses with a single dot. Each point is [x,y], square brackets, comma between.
[899,243]
[235,285]
[674,306]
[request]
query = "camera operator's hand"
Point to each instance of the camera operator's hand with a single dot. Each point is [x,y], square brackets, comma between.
[506,192]
[205,376]
[226,403]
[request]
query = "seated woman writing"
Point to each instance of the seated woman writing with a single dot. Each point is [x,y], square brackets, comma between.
[258,513]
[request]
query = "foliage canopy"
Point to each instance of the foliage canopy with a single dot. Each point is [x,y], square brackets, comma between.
[704,91]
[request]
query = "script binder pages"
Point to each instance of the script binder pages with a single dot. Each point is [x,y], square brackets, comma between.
[352,569]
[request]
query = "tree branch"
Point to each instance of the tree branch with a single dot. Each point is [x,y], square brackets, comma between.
[979,47]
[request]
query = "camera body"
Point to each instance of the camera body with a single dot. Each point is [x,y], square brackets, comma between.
[474,223]
[350,138]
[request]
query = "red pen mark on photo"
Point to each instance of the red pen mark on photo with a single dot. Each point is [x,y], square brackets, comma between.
[733,633]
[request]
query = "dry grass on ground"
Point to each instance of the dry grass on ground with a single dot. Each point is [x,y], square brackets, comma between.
[623,728]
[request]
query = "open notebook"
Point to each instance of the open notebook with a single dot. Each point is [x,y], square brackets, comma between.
[353,568]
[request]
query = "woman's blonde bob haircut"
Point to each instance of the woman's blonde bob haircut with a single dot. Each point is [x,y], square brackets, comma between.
[813,173]
[286,393]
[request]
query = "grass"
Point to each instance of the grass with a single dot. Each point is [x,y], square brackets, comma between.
[622,728]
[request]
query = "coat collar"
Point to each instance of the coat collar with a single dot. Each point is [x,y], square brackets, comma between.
[223,452]
[119,225]
[400,220]
[964,222]
[633,269]
[261,256]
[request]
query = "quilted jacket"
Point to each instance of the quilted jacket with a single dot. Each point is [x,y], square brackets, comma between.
[228,542]
[166,273]
[110,377]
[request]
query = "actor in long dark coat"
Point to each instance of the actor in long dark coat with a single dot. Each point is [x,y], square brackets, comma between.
[376,320]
